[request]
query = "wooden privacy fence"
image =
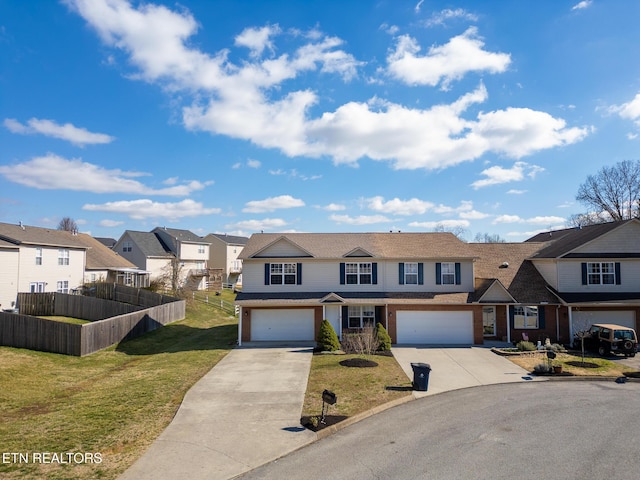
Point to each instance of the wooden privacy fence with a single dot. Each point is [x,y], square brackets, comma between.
[112,322]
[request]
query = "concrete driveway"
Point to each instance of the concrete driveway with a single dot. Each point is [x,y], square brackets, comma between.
[245,412]
[453,368]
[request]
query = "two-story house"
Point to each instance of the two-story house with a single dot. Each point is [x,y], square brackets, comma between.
[423,287]
[168,254]
[38,259]
[224,251]
[432,288]
[594,271]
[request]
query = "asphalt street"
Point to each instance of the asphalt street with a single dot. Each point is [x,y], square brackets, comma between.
[569,430]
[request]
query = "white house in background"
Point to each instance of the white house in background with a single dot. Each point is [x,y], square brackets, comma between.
[224,252]
[165,252]
[35,259]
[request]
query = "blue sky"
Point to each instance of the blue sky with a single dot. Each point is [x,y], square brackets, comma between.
[318,116]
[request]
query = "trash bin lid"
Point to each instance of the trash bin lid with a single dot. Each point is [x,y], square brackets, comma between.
[421,365]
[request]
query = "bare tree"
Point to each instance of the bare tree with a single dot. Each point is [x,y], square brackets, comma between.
[488,238]
[613,191]
[458,231]
[68,224]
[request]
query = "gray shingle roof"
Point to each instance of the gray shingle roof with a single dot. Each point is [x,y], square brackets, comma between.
[149,244]
[101,257]
[228,239]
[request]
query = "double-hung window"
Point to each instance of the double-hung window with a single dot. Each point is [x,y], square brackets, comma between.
[448,273]
[63,286]
[601,273]
[127,246]
[525,317]
[358,273]
[411,273]
[283,274]
[38,255]
[361,316]
[200,248]
[63,256]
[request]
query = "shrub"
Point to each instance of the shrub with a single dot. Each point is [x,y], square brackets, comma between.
[384,340]
[327,337]
[526,346]
[542,368]
[364,342]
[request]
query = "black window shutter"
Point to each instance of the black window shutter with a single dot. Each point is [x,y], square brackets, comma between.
[374,273]
[401,273]
[541,319]
[421,274]
[299,274]
[267,273]
[380,315]
[438,273]
[457,270]
[342,274]
[511,316]
[584,273]
[345,317]
[618,278]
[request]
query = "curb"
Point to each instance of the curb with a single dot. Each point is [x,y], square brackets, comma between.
[325,432]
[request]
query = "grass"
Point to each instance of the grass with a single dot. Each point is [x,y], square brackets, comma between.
[593,366]
[114,402]
[357,389]
[57,318]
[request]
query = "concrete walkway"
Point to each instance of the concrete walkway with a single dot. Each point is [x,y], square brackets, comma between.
[245,412]
[453,368]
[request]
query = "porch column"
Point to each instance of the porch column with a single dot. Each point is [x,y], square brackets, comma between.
[570,324]
[240,327]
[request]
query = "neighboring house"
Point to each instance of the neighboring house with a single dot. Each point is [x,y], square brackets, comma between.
[595,272]
[432,288]
[224,251]
[35,259]
[107,241]
[105,265]
[168,254]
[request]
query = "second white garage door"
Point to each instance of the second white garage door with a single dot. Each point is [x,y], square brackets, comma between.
[438,328]
[282,325]
[586,318]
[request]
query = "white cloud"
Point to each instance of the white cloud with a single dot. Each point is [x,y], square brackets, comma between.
[465,206]
[418,6]
[582,5]
[497,175]
[334,207]
[253,163]
[259,225]
[441,17]
[257,39]
[110,223]
[513,191]
[539,220]
[629,110]
[294,174]
[53,172]
[359,220]
[441,223]
[273,203]
[145,208]
[249,101]
[49,128]
[413,206]
[445,63]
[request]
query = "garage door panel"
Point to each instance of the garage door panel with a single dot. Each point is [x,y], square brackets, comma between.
[282,325]
[444,328]
[586,318]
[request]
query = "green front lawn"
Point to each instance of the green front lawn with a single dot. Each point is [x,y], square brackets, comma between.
[114,402]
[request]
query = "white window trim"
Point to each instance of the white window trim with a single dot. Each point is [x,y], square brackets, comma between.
[526,316]
[361,271]
[63,256]
[411,277]
[599,274]
[365,314]
[448,273]
[287,271]
[38,255]
[62,286]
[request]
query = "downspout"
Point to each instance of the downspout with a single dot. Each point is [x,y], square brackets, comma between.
[240,314]
[570,324]
[558,323]
[508,325]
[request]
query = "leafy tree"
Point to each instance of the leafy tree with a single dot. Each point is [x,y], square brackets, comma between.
[488,238]
[327,337]
[614,192]
[68,224]
[384,340]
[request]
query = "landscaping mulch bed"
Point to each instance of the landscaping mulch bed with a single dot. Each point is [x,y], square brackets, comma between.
[328,421]
[358,363]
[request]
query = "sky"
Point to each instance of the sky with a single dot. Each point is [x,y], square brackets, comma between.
[313,116]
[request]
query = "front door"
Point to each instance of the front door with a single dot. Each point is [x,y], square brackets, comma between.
[489,321]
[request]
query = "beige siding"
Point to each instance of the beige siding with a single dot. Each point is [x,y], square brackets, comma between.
[283,248]
[158,267]
[9,259]
[49,271]
[625,239]
[135,256]
[570,276]
[189,251]
[324,276]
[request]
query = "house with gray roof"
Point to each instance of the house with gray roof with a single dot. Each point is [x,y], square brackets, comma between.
[170,256]
[224,251]
[426,288]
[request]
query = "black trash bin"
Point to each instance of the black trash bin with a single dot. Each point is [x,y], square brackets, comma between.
[421,376]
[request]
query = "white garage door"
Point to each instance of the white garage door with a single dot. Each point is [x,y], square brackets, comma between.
[587,318]
[278,325]
[439,328]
